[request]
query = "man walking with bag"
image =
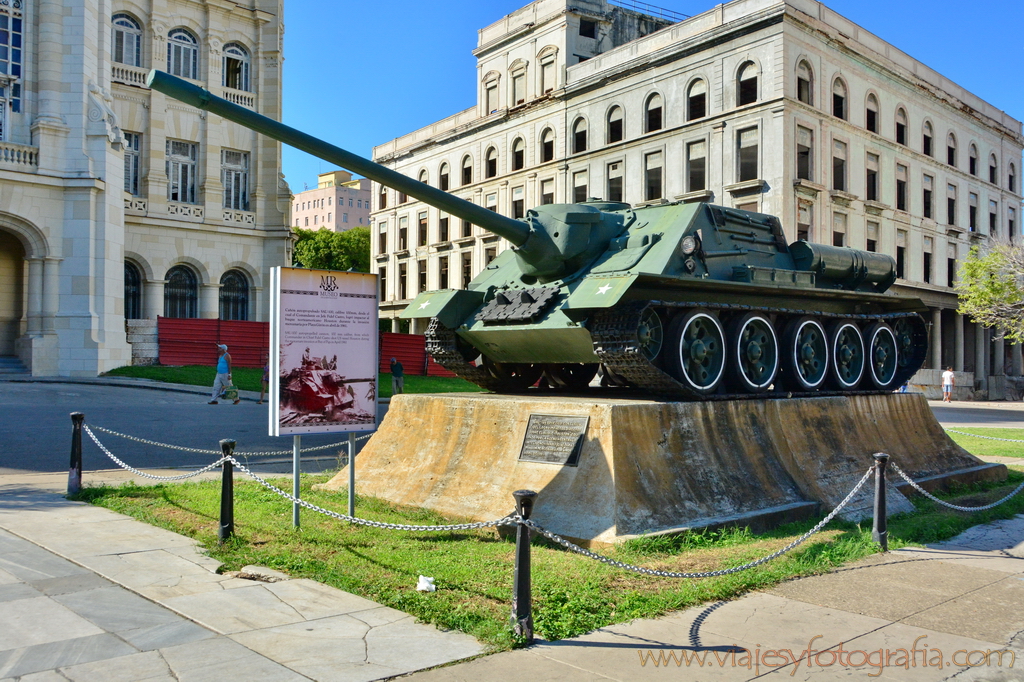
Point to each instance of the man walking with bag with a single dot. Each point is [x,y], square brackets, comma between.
[223,378]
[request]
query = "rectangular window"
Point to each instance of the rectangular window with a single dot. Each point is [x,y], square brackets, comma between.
[1011,223]
[467,229]
[838,229]
[132,161]
[579,187]
[872,237]
[615,181]
[652,176]
[490,98]
[382,237]
[467,268]
[547,192]
[382,275]
[442,229]
[901,133]
[804,220]
[993,217]
[972,211]
[872,120]
[421,271]
[181,171]
[421,228]
[928,185]
[328,216]
[951,155]
[951,204]
[901,187]
[491,202]
[519,88]
[901,253]
[235,169]
[951,265]
[927,260]
[403,281]
[839,166]
[443,180]
[489,255]
[926,145]
[442,272]
[588,29]
[547,76]
[518,202]
[871,178]
[747,161]
[804,144]
[403,234]
[696,166]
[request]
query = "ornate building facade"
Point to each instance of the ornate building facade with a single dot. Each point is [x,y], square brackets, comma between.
[782,107]
[118,204]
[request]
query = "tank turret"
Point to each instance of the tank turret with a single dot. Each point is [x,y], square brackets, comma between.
[687,300]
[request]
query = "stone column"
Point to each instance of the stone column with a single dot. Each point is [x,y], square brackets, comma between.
[394,325]
[153,298]
[958,343]
[209,301]
[999,357]
[35,296]
[980,374]
[1017,360]
[51,292]
[936,340]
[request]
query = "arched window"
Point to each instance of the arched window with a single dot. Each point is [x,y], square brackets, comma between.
[951,150]
[871,114]
[181,293]
[467,170]
[491,163]
[993,170]
[382,198]
[927,135]
[1012,180]
[424,176]
[805,83]
[547,145]
[652,114]
[182,54]
[614,124]
[132,292]
[901,126]
[579,136]
[236,67]
[839,99]
[442,177]
[127,40]
[746,84]
[234,296]
[518,154]
[972,160]
[697,100]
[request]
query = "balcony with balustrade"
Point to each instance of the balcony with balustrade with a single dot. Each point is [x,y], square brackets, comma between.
[129,75]
[19,157]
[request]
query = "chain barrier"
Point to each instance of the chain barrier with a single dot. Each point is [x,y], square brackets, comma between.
[263,453]
[706,574]
[135,471]
[974,435]
[949,504]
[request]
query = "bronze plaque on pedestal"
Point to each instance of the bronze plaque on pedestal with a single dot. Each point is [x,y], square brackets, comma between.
[554,439]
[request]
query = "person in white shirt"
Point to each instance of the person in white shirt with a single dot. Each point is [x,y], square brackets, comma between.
[948,379]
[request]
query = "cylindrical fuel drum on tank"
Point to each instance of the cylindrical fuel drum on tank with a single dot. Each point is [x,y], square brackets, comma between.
[846,267]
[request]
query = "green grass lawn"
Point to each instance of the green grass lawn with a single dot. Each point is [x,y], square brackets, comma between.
[473,569]
[984,447]
[248,379]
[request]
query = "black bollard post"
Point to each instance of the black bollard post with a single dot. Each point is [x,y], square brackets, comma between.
[522,600]
[75,470]
[880,528]
[227,494]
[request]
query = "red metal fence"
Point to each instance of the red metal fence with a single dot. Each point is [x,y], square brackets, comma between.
[194,342]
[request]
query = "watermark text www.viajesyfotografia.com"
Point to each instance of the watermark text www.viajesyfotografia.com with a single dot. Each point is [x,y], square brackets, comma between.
[919,655]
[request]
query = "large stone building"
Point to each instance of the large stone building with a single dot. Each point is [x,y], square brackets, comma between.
[777,106]
[116,202]
[338,203]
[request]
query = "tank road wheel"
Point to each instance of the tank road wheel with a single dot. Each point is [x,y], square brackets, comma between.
[753,353]
[513,376]
[574,377]
[847,355]
[805,355]
[883,355]
[698,352]
[650,334]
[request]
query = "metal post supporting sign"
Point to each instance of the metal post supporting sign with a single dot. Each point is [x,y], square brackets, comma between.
[351,473]
[296,474]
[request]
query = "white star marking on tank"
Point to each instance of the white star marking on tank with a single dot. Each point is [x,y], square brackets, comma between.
[424,304]
[604,289]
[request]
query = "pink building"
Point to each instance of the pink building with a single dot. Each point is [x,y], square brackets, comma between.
[338,203]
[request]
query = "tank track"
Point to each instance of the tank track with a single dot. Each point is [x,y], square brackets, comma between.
[442,344]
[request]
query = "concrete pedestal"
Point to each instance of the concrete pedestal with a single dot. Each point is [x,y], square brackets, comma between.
[650,467]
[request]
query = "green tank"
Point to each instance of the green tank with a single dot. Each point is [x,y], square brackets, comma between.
[683,300]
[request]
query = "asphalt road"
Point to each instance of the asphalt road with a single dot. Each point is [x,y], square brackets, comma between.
[35,428]
[995,414]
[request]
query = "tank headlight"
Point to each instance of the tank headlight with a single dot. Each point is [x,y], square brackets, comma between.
[689,245]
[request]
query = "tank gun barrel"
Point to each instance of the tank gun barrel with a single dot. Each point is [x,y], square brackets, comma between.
[515,231]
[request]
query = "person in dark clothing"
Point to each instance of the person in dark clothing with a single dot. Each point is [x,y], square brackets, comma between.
[397,377]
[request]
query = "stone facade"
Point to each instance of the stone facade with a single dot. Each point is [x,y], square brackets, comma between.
[783,107]
[106,186]
[338,203]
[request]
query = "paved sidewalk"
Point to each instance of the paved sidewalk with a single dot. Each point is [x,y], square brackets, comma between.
[88,594]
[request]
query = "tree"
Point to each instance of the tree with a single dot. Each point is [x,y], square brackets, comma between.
[325,249]
[991,289]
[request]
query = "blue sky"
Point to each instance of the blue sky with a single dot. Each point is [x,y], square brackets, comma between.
[358,74]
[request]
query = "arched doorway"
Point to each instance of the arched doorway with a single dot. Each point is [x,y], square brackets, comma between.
[12,282]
